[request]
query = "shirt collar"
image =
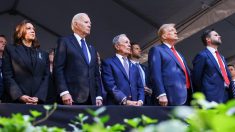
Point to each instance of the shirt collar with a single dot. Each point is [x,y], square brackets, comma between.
[168,45]
[78,37]
[135,62]
[212,50]
[119,56]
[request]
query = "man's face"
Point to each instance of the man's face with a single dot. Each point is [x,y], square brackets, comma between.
[124,46]
[170,33]
[136,51]
[215,38]
[232,71]
[83,25]
[3,43]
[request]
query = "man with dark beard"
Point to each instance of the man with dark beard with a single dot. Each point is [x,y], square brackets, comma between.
[210,72]
[143,70]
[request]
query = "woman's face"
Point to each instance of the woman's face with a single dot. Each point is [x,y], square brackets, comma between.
[29,32]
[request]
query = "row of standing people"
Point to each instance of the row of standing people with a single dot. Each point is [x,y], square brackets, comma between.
[77,77]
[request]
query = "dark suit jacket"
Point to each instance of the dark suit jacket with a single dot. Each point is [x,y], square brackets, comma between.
[207,77]
[166,75]
[117,84]
[149,99]
[1,81]
[73,74]
[20,77]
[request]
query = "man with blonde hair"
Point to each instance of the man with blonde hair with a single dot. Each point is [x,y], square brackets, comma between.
[169,73]
[76,69]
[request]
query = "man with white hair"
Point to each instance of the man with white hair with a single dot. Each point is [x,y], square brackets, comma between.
[76,67]
[121,78]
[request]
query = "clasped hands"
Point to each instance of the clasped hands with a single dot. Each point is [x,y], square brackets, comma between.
[68,100]
[29,100]
[134,103]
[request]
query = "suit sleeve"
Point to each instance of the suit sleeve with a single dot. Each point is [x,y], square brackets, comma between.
[198,69]
[8,74]
[110,84]
[98,77]
[42,91]
[155,66]
[60,62]
[140,87]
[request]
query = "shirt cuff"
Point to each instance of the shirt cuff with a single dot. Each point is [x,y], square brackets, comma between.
[141,102]
[63,93]
[99,98]
[123,100]
[164,94]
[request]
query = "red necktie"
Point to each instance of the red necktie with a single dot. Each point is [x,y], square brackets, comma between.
[223,71]
[182,66]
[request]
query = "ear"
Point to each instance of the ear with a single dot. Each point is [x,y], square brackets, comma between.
[164,36]
[208,40]
[116,46]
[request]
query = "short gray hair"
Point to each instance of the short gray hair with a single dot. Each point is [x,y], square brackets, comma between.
[76,18]
[116,38]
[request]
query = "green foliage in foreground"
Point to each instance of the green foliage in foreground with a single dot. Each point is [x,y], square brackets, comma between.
[203,116]
[27,123]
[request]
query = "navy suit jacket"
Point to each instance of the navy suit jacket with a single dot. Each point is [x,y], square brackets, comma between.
[207,77]
[166,75]
[21,78]
[149,99]
[73,73]
[117,84]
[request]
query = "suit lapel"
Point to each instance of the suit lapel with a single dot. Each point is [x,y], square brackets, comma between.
[226,67]
[39,58]
[24,57]
[212,58]
[119,64]
[92,54]
[77,46]
[168,50]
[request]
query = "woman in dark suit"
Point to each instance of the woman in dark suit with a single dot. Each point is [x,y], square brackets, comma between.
[25,67]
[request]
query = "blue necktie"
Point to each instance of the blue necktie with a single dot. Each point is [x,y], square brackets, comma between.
[141,73]
[84,50]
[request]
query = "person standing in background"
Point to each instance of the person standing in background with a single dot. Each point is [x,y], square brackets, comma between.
[3,42]
[144,72]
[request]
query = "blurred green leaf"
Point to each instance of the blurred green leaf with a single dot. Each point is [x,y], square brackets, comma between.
[147,120]
[100,110]
[133,122]
[116,128]
[35,113]
[104,119]
[47,107]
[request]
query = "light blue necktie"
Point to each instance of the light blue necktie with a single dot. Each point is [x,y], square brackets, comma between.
[125,65]
[141,73]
